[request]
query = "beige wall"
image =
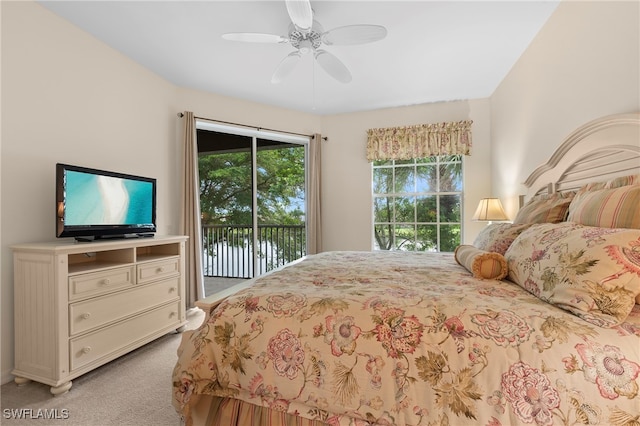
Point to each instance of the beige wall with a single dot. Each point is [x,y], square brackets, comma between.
[67,97]
[233,110]
[346,193]
[583,64]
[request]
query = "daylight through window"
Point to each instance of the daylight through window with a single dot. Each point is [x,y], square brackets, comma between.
[417,204]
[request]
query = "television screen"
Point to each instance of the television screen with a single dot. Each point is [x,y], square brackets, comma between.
[97,203]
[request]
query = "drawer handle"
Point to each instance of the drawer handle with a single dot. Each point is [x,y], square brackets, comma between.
[173,314]
[172,289]
[160,269]
[86,315]
[86,349]
[106,281]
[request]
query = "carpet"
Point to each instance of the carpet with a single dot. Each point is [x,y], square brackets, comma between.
[134,390]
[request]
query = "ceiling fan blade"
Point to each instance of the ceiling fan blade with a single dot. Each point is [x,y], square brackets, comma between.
[255,37]
[333,66]
[300,13]
[354,34]
[285,67]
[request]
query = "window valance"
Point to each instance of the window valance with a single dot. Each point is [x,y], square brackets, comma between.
[424,140]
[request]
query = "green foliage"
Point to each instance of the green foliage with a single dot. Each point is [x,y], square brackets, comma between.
[281,179]
[417,204]
[226,187]
[226,197]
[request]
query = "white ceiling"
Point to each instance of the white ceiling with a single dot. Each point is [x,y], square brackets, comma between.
[434,50]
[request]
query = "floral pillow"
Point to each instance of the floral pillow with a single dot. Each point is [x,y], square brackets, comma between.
[589,271]
[497,237]
[547,208]
[481,264]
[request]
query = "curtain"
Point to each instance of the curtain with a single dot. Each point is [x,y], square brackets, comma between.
[425,140]
[190,214]
[314,221]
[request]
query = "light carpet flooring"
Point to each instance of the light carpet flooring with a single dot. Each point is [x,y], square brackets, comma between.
[134,390]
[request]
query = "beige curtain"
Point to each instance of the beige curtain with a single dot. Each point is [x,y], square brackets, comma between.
[425,140]
[190,220]
[314,217]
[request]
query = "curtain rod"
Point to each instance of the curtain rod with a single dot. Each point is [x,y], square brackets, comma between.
[180,115]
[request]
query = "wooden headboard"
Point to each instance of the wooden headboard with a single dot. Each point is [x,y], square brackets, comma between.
[602,149]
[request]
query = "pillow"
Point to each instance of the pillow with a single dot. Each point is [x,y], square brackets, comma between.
[623,181]
[480,263]
[546,208]
[589,271]
[612,183]
[497,237]
[609,208]
[593,186]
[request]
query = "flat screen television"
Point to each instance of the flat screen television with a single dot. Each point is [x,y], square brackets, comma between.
[94,204]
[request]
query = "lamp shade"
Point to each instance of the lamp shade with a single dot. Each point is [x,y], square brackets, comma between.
[490,209]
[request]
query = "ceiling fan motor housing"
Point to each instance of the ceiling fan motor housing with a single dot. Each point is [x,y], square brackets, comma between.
[305,41]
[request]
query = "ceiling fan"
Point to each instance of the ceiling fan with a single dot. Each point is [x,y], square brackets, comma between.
[307,36]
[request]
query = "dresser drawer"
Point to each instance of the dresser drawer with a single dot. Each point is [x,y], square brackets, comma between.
[93,346]
[99,311]
[96,283]
[151,271]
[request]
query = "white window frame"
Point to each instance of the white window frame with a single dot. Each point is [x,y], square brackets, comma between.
[415,193]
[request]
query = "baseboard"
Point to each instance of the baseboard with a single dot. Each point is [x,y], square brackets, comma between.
[6,377]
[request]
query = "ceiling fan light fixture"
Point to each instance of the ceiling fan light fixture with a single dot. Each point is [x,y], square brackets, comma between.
[305,47]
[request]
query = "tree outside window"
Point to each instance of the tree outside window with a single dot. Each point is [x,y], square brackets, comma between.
[417,204]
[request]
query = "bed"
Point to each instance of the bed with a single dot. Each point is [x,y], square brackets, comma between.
[537,322]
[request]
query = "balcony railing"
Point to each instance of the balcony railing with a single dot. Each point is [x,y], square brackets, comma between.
[228,249]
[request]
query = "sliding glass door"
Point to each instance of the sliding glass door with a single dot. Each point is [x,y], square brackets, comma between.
[280,198]
[252,198]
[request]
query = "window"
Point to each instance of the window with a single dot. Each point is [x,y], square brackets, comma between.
[417,204]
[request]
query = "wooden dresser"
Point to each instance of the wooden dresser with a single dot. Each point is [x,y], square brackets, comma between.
[80,305]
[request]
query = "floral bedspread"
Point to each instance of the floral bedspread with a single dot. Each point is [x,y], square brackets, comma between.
[397,338]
